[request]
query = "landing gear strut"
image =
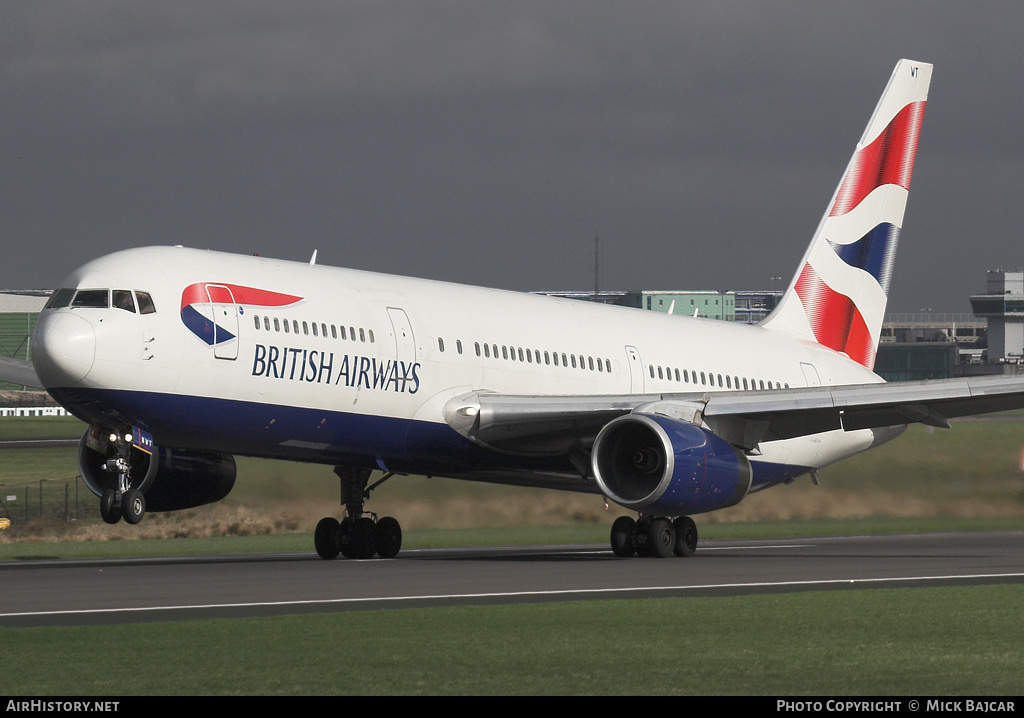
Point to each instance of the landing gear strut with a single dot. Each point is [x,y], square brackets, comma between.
[124,501]
[656,536]
[359,534]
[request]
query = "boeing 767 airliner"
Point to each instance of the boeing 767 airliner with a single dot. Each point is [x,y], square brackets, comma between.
[179,359]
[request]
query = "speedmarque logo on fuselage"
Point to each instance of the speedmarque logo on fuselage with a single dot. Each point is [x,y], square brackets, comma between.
[212,294]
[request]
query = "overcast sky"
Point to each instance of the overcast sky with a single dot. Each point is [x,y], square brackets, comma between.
[488,142]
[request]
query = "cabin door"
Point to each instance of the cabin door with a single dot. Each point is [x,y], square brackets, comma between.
[405,343]
[636,371]
[225,321]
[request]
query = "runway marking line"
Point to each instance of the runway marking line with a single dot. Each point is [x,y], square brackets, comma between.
[512,594]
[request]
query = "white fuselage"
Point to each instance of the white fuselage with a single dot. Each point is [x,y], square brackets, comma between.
[392,349]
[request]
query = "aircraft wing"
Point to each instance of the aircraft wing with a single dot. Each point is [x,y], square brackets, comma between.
[19,371]
[557,424]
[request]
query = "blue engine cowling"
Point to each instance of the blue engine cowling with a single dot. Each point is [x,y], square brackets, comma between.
[171,479]
[662,466]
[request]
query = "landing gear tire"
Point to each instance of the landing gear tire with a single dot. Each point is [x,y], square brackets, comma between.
[345,545]
[109,509]
[364,538]
[686,536]
[133,506]
[325,538]
[642,536]
[389,537]
[657,536]
[622,537]
[661,538]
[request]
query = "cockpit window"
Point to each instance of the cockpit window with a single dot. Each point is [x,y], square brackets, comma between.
[60,298]
[93,298]
[145,303]
[122,299]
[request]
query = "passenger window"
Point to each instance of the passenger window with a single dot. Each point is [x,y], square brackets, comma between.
[122,299]
[145,301]
[92,299]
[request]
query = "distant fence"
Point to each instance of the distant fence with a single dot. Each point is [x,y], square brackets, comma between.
[46,500]
[33,411]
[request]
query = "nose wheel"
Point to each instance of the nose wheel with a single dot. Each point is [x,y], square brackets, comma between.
[130,506]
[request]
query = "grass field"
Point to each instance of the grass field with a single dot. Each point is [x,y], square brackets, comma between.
[903,642]
[893,642]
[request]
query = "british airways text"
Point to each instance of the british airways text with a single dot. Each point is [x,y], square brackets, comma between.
[352,370]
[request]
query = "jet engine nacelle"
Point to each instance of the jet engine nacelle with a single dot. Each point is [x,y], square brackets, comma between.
[170,479]
[662,466]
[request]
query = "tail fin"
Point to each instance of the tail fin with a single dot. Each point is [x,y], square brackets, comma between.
[838,296]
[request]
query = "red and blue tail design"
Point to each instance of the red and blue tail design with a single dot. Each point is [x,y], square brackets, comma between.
[198,301]
[838,296]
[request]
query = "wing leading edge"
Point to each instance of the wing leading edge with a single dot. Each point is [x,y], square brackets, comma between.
[19,371]
[560,424]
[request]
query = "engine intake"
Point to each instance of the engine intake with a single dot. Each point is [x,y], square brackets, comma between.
[657,465]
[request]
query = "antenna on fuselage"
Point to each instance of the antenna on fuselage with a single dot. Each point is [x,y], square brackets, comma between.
[312,260]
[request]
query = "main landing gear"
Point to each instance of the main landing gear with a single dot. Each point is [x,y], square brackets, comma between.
[358,534]
[656,536]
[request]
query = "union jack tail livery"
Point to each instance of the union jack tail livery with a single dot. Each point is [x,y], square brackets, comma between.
[838,295]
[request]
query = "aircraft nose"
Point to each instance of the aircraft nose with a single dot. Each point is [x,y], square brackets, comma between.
[63,349]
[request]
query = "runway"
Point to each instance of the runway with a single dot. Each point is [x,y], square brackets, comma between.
[126,590]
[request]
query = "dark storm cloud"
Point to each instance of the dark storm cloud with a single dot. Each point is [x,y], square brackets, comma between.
[488,142]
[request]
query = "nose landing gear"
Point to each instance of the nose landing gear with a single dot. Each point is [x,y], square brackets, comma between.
[124,501]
